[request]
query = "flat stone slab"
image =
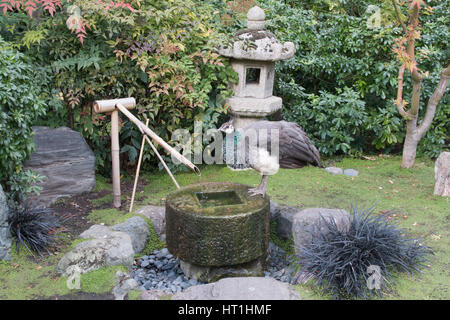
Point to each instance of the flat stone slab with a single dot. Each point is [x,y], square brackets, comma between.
[240,288]
[334,170]
[156,295]
[212,274]
[65,159]
[351,172]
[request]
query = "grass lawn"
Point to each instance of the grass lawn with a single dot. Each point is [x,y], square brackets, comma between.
[406,193]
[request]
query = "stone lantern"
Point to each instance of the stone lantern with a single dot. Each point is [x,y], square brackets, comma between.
[253,52]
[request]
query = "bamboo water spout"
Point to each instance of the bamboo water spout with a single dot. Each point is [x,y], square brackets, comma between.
[124,105]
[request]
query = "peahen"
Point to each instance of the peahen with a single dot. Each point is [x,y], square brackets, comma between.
[295,149]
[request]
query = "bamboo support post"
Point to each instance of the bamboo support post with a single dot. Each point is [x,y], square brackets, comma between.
[104,106]
[115,150]
[138,168]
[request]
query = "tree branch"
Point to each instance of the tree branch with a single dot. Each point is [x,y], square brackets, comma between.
[399,101]
[433,102]
[399,18]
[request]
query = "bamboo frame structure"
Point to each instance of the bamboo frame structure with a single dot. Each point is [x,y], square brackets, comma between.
[141,153]
[124,105]
[115,157]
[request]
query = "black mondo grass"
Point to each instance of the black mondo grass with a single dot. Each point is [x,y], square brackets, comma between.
[359,261]
[34,229]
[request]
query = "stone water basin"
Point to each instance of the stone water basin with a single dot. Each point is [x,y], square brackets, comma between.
[217,225]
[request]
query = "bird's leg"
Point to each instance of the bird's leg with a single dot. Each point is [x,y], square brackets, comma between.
[261,189]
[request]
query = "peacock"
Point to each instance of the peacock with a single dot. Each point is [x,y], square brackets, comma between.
[295,149]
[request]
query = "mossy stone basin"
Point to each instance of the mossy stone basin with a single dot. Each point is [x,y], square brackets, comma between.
[217,224]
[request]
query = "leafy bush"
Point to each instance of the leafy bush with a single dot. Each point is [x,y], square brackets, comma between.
[20,104]
[160,52]
[338,52]
[335,121]
[339,259]
[34,229]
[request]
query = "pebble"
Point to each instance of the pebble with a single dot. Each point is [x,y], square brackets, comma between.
[161,270]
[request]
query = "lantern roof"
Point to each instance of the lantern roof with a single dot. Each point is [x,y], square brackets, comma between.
[255,43]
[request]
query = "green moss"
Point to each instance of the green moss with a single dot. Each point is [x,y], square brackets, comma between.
[153,242]
[102,183]
[285,244]
[109,216]
[75,242]
[101,280]
[185,199]
[23,278]
[134,294]
[103,200]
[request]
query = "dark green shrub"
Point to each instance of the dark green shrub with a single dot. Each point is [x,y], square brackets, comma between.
[335,122]
[34,229]
[339,259]
[20,104]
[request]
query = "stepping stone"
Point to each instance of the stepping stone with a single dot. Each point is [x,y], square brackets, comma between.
[241,288]
[334,170]
[351,172]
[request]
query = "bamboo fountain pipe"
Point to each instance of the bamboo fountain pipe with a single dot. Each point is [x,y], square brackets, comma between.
[125,104]
[157,138]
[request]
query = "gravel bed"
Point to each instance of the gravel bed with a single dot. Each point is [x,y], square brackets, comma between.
[161,270]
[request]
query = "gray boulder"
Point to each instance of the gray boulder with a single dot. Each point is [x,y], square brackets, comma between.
[64,158]
[137,229]
[309,221]
[240,288]
[285,220]
[105,248]
[442,175]
[274,210]
[158,217]
[5,236]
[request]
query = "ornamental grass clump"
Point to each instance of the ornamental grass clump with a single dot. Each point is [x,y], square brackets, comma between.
[34,229]
[359,262]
